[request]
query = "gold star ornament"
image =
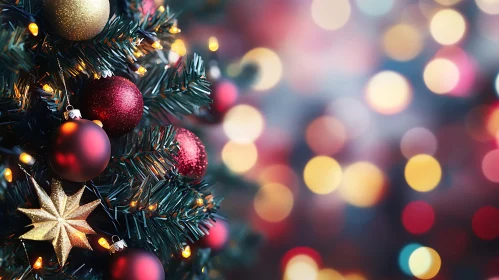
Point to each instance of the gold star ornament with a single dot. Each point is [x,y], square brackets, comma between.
[61,220]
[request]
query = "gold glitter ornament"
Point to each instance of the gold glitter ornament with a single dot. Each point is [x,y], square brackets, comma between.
[60,220]
[77,20]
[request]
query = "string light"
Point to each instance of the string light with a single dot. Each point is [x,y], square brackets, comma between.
[97,122]
[33,28]
[81,66]
[199,202]
[157,45]
[152,207]
[26,158]
[38,263]
[48,88]
[138,53]
[7,174]
[133,203]
[174,29]
[161,9]
[103,242]
[213,44]
[186,253]
[141,71]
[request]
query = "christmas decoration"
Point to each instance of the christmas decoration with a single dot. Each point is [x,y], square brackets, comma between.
[135,264]
[117,246]
[191,158]
[77,20]
[116,102]
[60,220]
[217,238]
[81,149]
[224,96]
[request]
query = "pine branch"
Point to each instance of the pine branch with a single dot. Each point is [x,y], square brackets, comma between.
[13,59]
[146,153]
[180,89]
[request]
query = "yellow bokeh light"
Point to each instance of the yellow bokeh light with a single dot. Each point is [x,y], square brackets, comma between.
[331,14]
[243,124]
[388,92]
[273,202]
[441,75]
[329,274]
[423,173]
[322,175]
[326,135]
[301,267]
[492,124]
[238,157]
[490,7]
[355,276]
[402,42]
[213,43]
[7,174]
[447,27]
[447,2]
[186,253]
[363,184]
[179,47]
[424,263]
[269,67]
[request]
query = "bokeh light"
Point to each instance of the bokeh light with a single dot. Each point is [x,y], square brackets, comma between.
[402,42]
[322,174]
[331,14]
[404,256]
[238,157]
[447,2]
[354,276]
[418,140]
[496,84]
[325,135]
[329,274]
[363,184]
[278,173]
[388,93]
[488,6]
[425,263]
[490,166]
[273,202]
[448,27]
[485,223]
[243,124]
[441,75]
[301,267]
[423,173]
[493,121]
[269,67]
[418,217]
[179,47]
[375,8]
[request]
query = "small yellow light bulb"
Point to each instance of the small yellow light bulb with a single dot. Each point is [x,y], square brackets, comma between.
[199,202]
[7,174]
[179,47]
[213,43]
[103,242]
[138,53]
[161,9]
[97,122]
[48,88]
[186,253]
[38,263]
[157,45]
[133,203]
[141,71]
[26,158]
[152,207]
[33,28]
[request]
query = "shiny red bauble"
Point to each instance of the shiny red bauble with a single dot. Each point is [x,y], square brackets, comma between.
[191,158]
[116,102]
[135,264]
[217,238]
[80,150]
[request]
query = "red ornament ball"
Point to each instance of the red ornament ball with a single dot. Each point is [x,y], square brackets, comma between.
[191,158]
[80,150]
[134,264]
[116,102]
[217,237]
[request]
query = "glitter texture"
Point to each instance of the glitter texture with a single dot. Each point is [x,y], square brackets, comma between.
[191,158]
[116,102]
[60,220]
[77,20]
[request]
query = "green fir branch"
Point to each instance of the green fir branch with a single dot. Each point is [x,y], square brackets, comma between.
[13,58]
[179,90]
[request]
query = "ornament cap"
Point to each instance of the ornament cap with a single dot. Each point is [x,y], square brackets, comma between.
[72,113]
[117,246]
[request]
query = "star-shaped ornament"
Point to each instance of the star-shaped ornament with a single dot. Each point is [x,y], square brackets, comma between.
[60,219]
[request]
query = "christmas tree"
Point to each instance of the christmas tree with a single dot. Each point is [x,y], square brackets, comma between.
[96,182]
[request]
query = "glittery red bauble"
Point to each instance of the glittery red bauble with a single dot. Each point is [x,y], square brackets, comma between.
[217,237]
[80,150]
[116,102]
[135,264]
[191,158]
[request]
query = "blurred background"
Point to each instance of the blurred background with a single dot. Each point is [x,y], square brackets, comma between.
[366,132]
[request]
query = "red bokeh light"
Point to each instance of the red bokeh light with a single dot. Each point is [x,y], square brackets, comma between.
[301,251]
[418,217]
[485,223]
[489,166]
